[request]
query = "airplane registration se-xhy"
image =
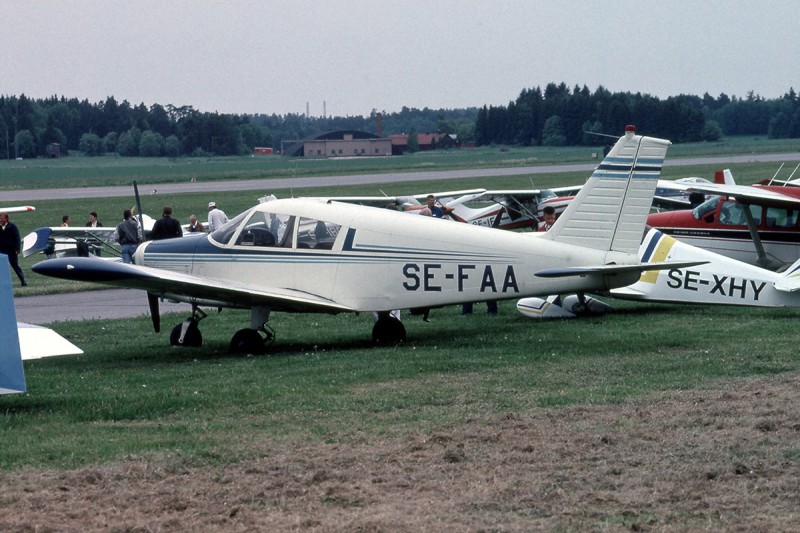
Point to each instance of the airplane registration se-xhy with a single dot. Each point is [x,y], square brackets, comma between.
[305,255]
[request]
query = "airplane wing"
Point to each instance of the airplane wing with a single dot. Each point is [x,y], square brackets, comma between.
[747,194]
[416,199]
[18,209]
[184,287]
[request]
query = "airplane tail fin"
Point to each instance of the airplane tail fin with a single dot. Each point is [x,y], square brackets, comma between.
[12,375]
[724,177]
[610,211]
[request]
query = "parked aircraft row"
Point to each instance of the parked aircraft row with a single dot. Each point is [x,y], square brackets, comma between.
[336,257]
[328,255]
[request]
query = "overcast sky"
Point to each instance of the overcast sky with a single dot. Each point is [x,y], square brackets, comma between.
[355,55]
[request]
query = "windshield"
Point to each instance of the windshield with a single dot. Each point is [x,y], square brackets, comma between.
[706,207]
[224,234]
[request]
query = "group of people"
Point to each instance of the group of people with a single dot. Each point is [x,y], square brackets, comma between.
[128,235]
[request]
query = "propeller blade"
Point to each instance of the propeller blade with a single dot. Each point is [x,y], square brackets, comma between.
[498,218]
[139,210]
[155,313]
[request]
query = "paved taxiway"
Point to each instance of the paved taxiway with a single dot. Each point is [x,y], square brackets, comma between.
[268,185]
[89,305]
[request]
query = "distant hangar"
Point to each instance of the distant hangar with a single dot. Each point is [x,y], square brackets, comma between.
[354,143]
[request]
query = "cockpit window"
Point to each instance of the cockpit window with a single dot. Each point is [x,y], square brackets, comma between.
[312,233]
[254,228]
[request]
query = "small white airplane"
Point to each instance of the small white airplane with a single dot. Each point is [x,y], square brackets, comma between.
[306,255]
[719,280]
[67,241]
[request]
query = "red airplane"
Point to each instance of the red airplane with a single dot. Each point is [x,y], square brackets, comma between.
[756,224]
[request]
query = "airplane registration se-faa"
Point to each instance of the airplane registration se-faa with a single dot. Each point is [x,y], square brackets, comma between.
[304,255]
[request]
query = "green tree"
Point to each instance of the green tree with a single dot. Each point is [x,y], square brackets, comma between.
[128,143]
[91,144]
[110,141]
[25,144]
[413,142]
[151,144]
[553,132]
[172,147]
[711,131]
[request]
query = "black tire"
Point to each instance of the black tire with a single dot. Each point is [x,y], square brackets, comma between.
[388,331]
[192,339]
[247,341]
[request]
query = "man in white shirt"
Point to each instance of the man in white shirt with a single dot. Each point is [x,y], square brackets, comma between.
[216,217]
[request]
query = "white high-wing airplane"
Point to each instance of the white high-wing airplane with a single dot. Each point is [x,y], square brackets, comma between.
[719,280]
[304,255]
[66,239]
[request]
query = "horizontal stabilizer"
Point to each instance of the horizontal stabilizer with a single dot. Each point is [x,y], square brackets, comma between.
[614,269]
[790,282]
[35,241]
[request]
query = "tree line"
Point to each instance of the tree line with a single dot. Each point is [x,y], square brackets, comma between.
[554,116]
[559,116]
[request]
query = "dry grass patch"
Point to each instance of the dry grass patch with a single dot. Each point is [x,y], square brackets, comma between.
[725,458]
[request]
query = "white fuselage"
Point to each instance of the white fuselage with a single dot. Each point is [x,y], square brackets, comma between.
[379,259]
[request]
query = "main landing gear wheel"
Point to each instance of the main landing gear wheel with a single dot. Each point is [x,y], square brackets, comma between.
[186,334]
[249,341]
[388,331]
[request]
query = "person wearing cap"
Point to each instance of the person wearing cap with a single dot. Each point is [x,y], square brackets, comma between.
[216,217]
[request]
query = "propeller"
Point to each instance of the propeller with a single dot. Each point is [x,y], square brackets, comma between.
[155,314]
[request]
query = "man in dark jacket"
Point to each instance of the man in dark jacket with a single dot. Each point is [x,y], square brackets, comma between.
[10,244]
[166,227]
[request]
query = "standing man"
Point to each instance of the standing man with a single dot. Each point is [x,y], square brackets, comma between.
[195,226]
[166,227]
[216,217]
[434,208]
[10,245]
[128,236]
[93,222]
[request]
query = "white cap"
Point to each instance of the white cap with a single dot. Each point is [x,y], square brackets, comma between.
[212,204]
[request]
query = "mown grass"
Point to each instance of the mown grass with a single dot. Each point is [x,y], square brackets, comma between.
[78,171]
[133,395]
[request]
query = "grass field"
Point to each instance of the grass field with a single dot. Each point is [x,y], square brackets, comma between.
[652,418]
[77,171]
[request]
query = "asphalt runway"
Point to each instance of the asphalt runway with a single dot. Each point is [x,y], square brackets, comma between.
[89,305]
[268,185]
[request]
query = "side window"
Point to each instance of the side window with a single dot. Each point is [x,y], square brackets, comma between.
[781,217]
[731,214]
[262,229]
[312,233]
